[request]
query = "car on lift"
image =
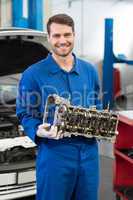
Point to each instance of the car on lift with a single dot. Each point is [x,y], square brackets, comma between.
[19,48]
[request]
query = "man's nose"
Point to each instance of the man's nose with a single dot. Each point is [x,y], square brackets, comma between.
[62,40]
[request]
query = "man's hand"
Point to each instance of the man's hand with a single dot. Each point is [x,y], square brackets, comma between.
[45,131]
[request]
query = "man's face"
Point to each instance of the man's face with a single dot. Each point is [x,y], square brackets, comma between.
[61,39]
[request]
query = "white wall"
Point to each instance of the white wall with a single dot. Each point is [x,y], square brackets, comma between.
[89,20]
[5,13]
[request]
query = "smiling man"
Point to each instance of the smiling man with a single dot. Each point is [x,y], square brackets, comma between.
[66,168]
[61,39]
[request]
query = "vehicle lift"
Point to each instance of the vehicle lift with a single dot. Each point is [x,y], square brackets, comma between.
[123,147]
[35,14]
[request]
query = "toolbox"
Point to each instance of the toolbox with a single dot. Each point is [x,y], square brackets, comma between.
[123,153]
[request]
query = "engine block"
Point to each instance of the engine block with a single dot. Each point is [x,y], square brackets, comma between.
[75,120]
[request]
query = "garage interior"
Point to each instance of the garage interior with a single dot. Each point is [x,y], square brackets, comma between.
[103,37]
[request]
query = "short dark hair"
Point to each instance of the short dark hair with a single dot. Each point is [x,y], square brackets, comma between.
[60,19]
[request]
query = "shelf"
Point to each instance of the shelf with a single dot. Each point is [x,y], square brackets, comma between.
[120,195]
[126,117]
[124,156]
[123,163]
[125,193]
[124,139]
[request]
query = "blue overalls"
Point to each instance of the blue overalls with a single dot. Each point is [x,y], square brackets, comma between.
[66,169]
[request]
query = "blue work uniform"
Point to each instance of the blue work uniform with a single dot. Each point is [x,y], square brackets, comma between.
[68,168]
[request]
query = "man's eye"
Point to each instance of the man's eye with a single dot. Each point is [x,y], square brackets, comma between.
[68,35]
[56,36]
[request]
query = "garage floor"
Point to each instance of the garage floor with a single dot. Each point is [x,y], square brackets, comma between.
[106,191]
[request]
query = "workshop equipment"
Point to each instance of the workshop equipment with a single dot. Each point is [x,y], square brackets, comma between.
[123,151]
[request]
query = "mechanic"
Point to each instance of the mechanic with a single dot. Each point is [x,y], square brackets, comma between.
[66,168]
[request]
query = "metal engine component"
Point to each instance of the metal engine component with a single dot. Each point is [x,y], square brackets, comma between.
[9,125]
[14,145]
[74,120]
[17,149]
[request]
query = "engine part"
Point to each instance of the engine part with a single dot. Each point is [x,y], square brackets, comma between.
[17,149]
[75,120]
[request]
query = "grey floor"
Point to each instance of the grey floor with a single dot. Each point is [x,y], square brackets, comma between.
[106,187]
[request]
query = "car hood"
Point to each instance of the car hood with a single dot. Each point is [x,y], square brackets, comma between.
[20,48]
